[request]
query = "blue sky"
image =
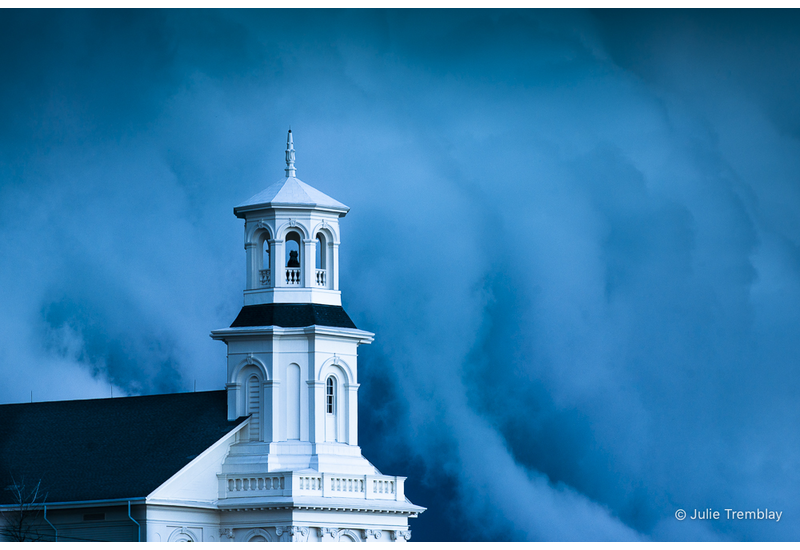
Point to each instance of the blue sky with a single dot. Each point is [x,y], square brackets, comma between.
[574,233]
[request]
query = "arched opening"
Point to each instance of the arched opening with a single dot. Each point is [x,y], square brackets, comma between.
[348,536]
[293,274]
[258,535]
[181,535]
[321,271]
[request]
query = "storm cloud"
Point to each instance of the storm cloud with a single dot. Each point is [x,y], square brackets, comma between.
[575,235]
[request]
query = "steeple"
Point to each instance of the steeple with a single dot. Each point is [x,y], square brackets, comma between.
[292,369]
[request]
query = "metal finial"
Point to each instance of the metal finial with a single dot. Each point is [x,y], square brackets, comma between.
[290,170]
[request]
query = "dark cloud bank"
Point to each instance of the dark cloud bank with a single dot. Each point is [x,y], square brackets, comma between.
[576,235]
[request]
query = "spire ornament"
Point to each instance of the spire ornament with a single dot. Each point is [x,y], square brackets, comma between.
[290,170]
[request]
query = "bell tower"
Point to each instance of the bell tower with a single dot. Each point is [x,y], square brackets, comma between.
[296,471]
[291,242]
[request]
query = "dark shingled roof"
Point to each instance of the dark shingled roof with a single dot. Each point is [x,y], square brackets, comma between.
[292,315]
[98,449]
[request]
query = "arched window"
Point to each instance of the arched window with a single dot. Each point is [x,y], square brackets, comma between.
[330,395]
[332,410]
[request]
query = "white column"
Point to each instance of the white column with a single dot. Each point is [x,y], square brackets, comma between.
[273,265]
[316,411]
[252,269]
[278,259]
[334,268]
[272,403]
[233,400]
[310,264]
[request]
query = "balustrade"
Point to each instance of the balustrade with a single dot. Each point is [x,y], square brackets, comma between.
[347,484]
[259,483]
[321,485]
[293,276]
[385,486]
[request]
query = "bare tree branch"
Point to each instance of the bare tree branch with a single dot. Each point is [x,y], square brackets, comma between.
[21,522]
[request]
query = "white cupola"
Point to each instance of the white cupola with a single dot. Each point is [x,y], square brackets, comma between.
[292,242]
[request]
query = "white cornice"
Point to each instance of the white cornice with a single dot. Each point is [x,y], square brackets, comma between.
[339,505]
[234,333]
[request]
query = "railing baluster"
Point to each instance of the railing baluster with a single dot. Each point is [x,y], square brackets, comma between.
[292,276]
